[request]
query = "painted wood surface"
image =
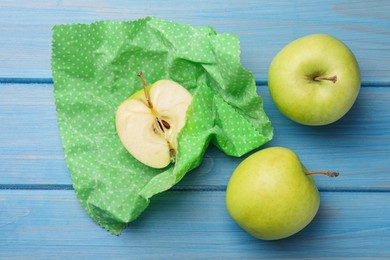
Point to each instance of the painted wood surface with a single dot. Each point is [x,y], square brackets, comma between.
[357,146]
[193,225]
[262,26]
[40,217]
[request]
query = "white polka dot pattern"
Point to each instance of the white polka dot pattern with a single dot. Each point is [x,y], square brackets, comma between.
[95,68]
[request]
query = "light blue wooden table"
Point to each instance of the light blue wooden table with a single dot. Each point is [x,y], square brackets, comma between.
[40,216]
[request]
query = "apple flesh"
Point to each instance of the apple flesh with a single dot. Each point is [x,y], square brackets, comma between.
[314,80]
[148,122]
[271,195]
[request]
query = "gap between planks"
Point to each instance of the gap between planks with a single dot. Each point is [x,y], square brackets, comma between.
[50,81]
[196,188]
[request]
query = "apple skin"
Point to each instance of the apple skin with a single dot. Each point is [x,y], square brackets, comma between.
[305,100]
[270,196]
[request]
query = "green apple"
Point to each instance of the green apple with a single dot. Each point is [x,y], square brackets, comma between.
[314,80]
[271,195]
[149,121]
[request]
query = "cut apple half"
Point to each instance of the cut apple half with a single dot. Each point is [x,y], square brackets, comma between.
[148,122]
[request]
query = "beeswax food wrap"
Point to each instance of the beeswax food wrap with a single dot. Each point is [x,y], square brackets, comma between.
[95,68]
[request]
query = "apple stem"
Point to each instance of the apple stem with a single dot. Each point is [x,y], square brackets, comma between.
[141,75]
[333,79]
[328,173]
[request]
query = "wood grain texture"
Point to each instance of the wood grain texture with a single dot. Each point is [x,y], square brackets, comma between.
[358,146]
[40,217]
[263,27]
[51,224]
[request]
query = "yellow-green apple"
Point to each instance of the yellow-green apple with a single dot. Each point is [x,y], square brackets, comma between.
[314,80]
[271,195]
[148,122]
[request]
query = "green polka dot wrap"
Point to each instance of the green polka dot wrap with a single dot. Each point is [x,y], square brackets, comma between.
[95,68]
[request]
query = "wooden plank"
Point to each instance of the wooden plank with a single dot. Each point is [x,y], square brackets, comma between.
[51,224]
[31,151]
[263,27]
[358,146]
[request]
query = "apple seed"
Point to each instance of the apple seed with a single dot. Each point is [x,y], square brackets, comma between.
[165,124]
